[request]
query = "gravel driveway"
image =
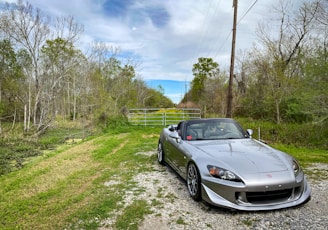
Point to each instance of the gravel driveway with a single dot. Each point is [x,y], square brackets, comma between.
[176,210]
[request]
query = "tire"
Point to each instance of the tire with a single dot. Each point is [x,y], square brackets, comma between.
[160,153]
[194,182]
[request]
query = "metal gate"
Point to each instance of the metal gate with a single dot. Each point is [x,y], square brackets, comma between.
[160,116]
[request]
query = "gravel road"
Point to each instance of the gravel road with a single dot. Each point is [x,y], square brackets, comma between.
[176,210]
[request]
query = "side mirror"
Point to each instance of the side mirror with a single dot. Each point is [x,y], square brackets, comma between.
[250,132]
[175,136]
[171,128]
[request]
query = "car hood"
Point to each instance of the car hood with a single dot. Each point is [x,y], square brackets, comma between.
[245,156]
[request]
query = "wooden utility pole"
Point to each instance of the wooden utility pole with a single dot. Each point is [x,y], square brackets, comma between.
[232,61]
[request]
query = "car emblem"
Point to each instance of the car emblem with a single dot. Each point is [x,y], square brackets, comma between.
[269,175]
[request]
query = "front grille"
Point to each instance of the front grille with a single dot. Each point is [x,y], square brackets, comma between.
[275,196]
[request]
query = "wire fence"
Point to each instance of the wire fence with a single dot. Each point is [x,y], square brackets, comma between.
[162,117]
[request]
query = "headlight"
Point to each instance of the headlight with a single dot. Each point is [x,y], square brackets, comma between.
[296,168]
[222,173]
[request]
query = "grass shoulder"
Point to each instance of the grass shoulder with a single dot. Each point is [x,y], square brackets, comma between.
[69,187]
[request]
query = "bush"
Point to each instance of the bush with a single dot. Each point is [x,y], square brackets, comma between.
[310,135]
[119,123]
[14,153]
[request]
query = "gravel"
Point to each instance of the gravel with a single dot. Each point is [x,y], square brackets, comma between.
[175,209]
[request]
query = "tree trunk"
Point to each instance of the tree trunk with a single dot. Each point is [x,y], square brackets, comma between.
[25,117]
[14,120]
[277,112]
[0,114]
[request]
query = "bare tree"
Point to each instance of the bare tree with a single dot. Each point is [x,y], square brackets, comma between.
[284,50]
[28,28]
[60,61]
[322,15]
[67,29]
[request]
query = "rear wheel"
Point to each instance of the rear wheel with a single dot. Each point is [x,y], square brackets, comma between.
[194,182]
[160,153]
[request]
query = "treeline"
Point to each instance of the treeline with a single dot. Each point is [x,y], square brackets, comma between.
[282,78]
[44,75]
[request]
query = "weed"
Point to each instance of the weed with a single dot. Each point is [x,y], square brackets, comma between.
[248,222]
[209,225]
[181,221]
[133,215]
[155,202]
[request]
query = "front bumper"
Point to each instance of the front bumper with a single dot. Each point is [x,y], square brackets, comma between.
[238,197]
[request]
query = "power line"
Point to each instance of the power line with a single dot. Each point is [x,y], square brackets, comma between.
[205,27]
[229,34]
[211,45]
[223,43]
[247,11]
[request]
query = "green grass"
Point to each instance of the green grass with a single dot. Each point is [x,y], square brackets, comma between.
[308,135]
[132,215]
[181,221]
[17,148]
[77,186]
[305,156]
[66,189]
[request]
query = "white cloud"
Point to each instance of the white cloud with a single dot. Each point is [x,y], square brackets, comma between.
[194,29]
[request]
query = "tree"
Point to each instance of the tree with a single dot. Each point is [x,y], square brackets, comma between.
[25,61]
[28,28]
[312,97]
[203,69]
[10,74]
[54,78]
[60,60]
[285,51]
[215,95]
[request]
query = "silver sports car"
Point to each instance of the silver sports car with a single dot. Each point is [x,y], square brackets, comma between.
[224,166]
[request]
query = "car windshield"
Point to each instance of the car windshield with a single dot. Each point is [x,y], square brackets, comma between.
[214,129]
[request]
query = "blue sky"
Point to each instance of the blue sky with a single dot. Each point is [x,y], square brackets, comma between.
[176,89]
[166,37]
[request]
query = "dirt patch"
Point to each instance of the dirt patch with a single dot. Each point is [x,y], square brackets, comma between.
[149,136]
[119,147]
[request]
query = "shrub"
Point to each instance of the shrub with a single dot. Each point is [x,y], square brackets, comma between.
[311,135]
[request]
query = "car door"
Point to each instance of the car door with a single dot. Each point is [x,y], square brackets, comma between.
[170,145]
[178,152]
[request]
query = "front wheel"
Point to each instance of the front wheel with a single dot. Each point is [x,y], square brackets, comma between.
[194,182]
[160,153]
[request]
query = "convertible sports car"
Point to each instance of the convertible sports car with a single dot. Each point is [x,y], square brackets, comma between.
[224,166]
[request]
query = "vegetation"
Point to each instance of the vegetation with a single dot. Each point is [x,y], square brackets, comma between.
[79,185]
[283,78]
[309,135]
[70,187]
[67,150]
[44,75]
